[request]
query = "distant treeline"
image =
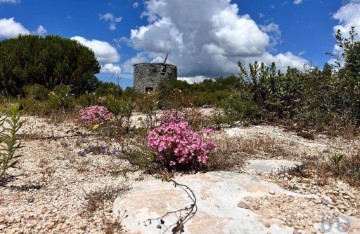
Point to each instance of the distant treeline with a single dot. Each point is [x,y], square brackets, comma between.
[62,70]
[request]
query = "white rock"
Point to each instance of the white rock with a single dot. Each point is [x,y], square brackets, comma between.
[217,194]
[326,200]
[268,166]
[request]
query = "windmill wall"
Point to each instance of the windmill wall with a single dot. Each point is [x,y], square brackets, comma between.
[147,76]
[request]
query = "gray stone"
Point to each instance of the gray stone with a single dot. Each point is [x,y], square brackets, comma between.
[268,166]
[243,205]
[326,200]
[147,76]
[217,197]
[351,195]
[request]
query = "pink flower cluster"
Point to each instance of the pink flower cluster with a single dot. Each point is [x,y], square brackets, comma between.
[194,117]
[169,116]
[175,143]
[95,115]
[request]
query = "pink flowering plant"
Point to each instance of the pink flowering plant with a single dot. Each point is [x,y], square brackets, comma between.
[196,120]
[177,146]
[95,115]
[169,116]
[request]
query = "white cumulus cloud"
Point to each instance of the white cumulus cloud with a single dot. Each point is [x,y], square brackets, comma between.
[297,2]
[41,31]
[104,52]
[348,16]
[113,20]
[194,79]
[274,32]
[128,66]
[284,60]
[158,37]
[206,38]
[10,28]
[110,68]
[135,5]
[9,1]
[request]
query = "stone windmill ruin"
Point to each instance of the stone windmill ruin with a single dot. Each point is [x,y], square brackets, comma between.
[147,76]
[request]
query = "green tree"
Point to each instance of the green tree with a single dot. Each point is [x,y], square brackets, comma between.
[349,74]
[108,88]
[48,61]
[352,61]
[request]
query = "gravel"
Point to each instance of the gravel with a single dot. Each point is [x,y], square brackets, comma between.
[50,191]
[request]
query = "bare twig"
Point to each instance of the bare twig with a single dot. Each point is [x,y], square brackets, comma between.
[190,212]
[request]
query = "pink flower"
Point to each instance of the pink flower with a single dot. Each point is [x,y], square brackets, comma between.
[94,115]
[207,131]
[178,144]
[169,116]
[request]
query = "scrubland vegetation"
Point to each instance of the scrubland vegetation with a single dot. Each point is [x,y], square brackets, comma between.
[55,78]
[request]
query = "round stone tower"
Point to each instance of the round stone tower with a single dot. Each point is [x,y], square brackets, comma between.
[147,76]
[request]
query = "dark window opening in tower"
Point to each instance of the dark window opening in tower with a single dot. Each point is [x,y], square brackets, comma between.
[163,70]
[149,89]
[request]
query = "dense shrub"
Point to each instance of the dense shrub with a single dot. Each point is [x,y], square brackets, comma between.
[239,107]
[177,146]
[61,98]
[113,104]
[47,61]
[170,97]
[95,115]
[36,91]
[108,88]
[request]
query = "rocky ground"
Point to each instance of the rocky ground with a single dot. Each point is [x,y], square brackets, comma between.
[56,189]
[49,191]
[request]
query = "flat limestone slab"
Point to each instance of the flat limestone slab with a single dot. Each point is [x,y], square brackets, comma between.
[268,166]
[217,197]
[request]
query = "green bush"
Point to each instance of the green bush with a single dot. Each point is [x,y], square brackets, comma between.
[36,91]
[34,107]
[239,107]
[117,106]
[61,98]
[108,88]
[147,104]
[87,99]
[48,61]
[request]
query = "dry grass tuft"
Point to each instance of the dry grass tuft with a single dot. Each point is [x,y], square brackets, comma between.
[335,166]
[95,200]
[251,146]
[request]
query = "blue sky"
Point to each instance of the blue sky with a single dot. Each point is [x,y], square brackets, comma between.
[205,38]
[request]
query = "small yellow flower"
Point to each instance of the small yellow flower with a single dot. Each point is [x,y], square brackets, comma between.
[52,93]
[95,126]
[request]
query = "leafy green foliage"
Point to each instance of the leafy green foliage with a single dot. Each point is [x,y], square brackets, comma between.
[48,61]
[108,88]
[36,92]
[9,142]
[327,99]
[337,160]
[238,107]
[122,108]
[171,97]
[61,98]
[352,62]
[147,104]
